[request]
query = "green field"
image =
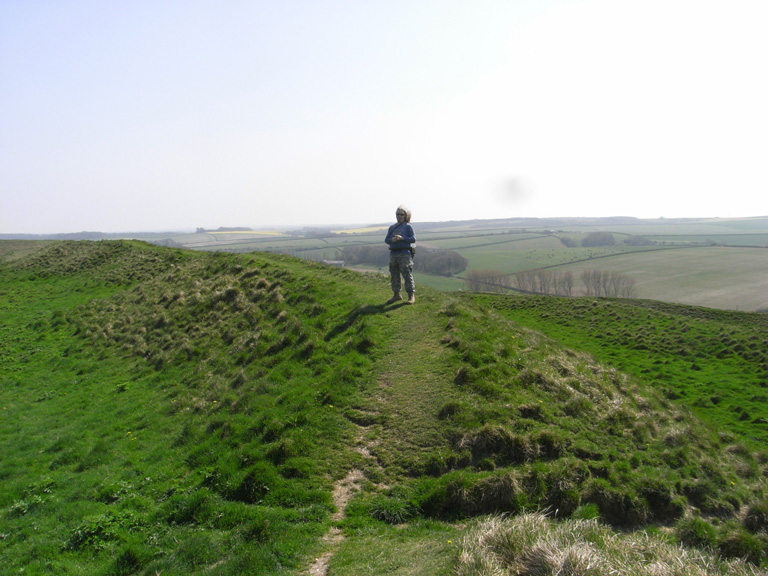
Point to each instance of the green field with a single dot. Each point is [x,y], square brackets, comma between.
[179,412]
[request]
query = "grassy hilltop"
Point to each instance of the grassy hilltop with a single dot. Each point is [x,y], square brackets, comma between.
[165,411]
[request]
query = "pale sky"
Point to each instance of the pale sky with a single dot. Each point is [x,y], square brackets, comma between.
[138,115]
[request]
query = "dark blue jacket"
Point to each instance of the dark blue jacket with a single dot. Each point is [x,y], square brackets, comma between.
[406,231]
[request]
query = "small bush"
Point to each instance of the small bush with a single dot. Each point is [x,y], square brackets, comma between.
[94,533]
[392,510]
[499,493]
[532,411]
[500,444]
[460,494]
[255,529]
[756,519]
[130,560]
[563,483]
[696,531]
[449,410]
[662,503]
[256,484]
[197,549]
[298,467]
[551,444]
[736,542]
[463,376]
[618,504]
[23,507]
[706,494]
[588,511]
[578,407]
[194,508]
[281,450]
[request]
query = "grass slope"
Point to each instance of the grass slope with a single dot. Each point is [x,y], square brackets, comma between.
[712,361]
[176,412]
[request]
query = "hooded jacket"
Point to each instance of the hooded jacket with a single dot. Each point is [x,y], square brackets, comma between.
[406,231]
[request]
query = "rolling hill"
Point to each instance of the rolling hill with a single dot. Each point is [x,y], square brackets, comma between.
[180,412]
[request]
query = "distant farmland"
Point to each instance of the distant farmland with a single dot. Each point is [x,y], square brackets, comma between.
[719,263]
[712,276]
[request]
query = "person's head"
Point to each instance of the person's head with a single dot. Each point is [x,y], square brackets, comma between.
[404,213]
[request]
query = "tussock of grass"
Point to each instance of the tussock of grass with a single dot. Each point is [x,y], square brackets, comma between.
[534,545]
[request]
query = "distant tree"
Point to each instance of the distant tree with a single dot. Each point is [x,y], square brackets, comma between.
[593,280]
[567,242]
[439,262]
[605,284]
[368,254]
[564,283]
[526,281]
[545,281]
[638,241]
[627,287]
[486,281]
[608,284]
[594,239]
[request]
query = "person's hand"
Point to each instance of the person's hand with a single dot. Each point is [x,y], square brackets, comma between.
[397,237]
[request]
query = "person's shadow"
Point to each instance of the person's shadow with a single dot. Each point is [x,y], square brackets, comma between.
[357,313]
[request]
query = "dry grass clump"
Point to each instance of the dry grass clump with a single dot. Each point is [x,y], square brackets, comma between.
[533,545]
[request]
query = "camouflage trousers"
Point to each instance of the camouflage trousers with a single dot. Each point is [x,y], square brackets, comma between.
[401,264]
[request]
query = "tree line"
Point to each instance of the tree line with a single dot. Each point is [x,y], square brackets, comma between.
[596,282]
[596,239]
[431,261]
[609,284]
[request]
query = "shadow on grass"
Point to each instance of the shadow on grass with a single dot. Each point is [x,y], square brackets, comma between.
[356,314]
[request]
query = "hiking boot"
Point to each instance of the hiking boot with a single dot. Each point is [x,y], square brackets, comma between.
[411,298]
[395,297]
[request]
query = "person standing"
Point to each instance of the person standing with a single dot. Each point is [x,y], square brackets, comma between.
[400,238]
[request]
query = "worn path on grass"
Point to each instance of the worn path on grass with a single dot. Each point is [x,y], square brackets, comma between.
[413,381]
[343,490]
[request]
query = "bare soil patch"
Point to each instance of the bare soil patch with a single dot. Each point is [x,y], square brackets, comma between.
[343,490]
